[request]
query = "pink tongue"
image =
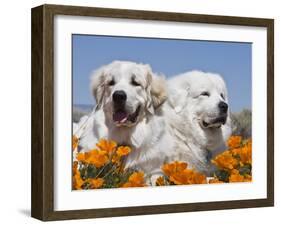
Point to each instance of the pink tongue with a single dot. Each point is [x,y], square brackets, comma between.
[119,116]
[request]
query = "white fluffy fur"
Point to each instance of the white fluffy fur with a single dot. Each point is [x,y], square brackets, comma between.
[162,132]
[90,129]
[148,136]
[185,111]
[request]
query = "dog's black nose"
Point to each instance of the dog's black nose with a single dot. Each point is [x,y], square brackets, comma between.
[119,96]
[223,107]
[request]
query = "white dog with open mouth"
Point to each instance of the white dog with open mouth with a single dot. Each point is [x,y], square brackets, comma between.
[198,114]
[129,98]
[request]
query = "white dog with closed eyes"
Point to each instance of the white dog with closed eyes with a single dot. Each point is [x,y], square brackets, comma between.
[129,99]
[198,114]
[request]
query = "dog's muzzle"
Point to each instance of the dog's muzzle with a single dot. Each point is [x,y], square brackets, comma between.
[216,122]
[120,115]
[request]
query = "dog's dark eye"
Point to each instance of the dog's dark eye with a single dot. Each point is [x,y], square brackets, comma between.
[222,96]
[134,83]
[111,83]
[207,94]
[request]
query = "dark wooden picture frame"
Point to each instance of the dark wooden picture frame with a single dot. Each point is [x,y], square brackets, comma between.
[42,203]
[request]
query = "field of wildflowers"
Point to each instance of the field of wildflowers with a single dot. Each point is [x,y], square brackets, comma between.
[103,167]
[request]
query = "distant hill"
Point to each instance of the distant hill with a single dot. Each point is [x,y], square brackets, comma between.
[80,110]
[85,107]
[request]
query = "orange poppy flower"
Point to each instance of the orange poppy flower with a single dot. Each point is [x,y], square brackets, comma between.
[96,157]
[107,145]
[96,183]
[135,180]
[181,177]
[247,178]
[80,157]
[234,141]
[215,181]
[74,167]
[236,178]
[249,142]
[225,161]
[174,167]
[179,174]
[188,176]
[77,181]
[234,171]
[75,142]
[123,150]
[245,154]
[199,178]
[116,159]
[160,181]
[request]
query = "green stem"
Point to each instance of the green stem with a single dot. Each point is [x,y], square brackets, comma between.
[110,171]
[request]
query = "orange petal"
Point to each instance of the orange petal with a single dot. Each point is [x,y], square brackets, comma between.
[96,183]
[123,150]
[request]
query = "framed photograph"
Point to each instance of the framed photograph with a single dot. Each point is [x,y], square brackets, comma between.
[142,112]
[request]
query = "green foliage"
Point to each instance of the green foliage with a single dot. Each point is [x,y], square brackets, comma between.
[242,123]
[112,175]
[222,175]
[246,169]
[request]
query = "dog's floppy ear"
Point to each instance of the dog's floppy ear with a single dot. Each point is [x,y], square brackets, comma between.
[97,86]
[158,91]
[178,98]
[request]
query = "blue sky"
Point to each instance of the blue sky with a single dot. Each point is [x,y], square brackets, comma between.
[170,57]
